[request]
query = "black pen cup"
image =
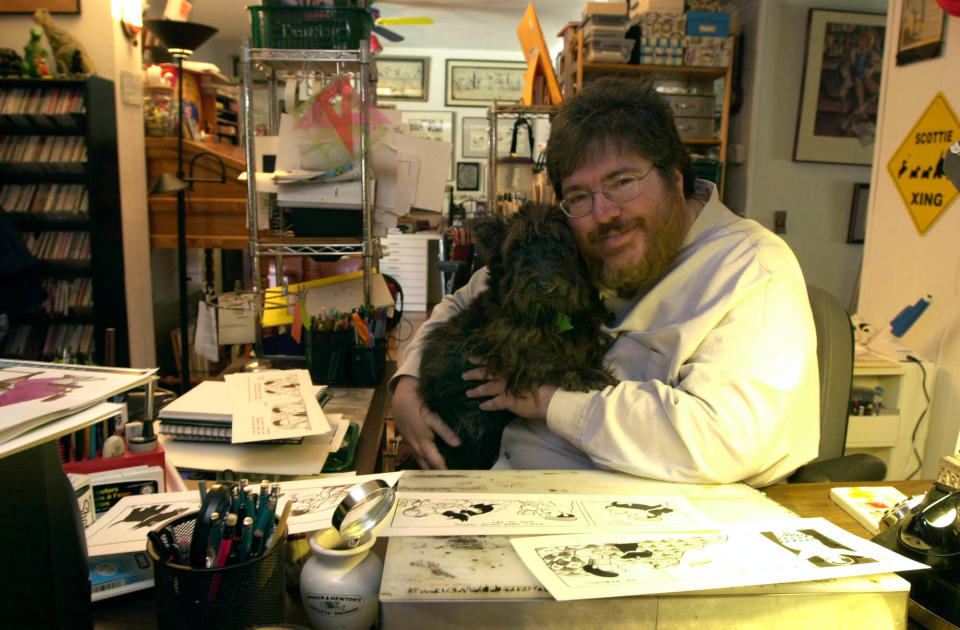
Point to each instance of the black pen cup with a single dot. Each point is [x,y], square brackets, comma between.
[327,353]
[368,364]
[241,595]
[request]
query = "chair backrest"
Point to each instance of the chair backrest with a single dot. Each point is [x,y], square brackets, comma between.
[835,360]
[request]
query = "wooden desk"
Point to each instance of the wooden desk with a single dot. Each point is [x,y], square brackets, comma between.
[813,499]
[137,610]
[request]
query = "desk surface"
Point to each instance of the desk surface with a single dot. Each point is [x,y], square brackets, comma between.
[136,610]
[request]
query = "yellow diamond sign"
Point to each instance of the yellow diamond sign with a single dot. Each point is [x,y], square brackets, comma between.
[917,166]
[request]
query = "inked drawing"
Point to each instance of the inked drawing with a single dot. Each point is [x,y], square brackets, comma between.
[504,514]
[811,546]
[598,564]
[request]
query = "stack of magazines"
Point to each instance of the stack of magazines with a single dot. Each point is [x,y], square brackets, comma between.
[205,414]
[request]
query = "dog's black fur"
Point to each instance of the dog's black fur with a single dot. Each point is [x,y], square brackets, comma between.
[517,327]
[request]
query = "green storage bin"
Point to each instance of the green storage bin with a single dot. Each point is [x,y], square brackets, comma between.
[711,170]
[325,28]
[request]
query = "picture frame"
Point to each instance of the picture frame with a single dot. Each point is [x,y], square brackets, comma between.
[468,176]
[476,83]
[403,78]
[837,117]
[474,139]
[29,6]
[857,229]
[921,31]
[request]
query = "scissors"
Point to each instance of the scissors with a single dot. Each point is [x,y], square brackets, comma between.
[362,330]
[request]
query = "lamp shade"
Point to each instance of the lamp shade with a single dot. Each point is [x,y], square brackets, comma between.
[167,184]
[180,38]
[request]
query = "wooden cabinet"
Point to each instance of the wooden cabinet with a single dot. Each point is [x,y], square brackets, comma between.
[59,183]
[897,433]
[708,146]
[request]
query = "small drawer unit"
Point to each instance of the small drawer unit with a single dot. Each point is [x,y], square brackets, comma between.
[699,128]
[692,105]
[413,260]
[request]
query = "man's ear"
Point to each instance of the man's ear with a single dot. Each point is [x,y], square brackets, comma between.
[488,235]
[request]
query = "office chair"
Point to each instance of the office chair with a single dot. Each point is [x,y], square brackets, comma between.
[835,362]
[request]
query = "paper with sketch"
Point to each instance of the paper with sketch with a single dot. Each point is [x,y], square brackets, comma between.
[123,528]
[504,514]
[274,405]
[33,393]
[597,565]
[306,458]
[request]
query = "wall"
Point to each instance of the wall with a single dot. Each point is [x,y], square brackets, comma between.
[816,196]
[900,265]
[112,54]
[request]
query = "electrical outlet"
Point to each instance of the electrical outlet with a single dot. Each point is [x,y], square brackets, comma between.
[779,221]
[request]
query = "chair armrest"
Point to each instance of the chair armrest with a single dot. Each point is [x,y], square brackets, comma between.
[855,467]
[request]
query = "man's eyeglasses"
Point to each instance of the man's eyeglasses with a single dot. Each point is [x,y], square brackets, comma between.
[618,189]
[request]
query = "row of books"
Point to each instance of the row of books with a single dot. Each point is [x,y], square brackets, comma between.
[55,100]
[51,199]
[66,295]
[69,339]
[59,245]
[48,148]
[74,340]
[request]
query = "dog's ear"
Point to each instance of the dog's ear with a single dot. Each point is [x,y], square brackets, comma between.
[489,232]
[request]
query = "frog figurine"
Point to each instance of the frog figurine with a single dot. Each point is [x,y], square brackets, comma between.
[34,52]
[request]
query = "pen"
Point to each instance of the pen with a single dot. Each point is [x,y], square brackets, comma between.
[246,538]
[222,555]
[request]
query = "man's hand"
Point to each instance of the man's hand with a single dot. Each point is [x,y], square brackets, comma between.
[532,406]
[418,425]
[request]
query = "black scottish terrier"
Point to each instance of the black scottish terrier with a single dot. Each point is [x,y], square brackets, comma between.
[537,324]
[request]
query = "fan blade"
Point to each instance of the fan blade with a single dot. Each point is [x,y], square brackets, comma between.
[387,33]
[404,20]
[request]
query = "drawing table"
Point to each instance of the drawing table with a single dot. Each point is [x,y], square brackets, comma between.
[479,582]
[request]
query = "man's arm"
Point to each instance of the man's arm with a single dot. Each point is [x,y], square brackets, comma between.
[416,423]
[744,405]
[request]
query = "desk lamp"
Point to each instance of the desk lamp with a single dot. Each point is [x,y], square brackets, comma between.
[181,39]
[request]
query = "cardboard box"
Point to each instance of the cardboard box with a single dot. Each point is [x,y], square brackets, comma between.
[663,6]
[655,24]
[708,23]
[707,57]
[604,8]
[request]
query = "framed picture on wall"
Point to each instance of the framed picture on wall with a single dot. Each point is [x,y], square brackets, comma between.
[858,213]
[468,176]
[921,31]
[837,121]
[474,83]
[403,78]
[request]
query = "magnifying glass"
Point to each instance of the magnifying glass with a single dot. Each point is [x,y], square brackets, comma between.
[364,507]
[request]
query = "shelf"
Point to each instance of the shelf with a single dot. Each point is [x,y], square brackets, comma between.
[303,246]
[700,72]
[290,62]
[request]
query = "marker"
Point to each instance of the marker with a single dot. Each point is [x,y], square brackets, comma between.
[226,540]
[246,538]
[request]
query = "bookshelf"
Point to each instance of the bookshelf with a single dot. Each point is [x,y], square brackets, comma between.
[59,184]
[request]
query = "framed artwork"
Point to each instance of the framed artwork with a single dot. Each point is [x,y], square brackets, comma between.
[921,31]
[403,78]
[431,125]
[474,138]
[837,121]
[858,213]
[478,83]
[29,6]
[468,175]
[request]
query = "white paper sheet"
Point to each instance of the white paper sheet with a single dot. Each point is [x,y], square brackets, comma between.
[123,528]
[32,392]
[273,405]
[599,565]
[306,458]
[452,514]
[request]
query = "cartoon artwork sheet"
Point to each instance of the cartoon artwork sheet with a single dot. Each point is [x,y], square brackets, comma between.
[33,392]
[502,514]
[275,404]
[595,565]
[123,528]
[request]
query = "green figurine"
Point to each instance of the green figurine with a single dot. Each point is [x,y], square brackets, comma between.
[35,55]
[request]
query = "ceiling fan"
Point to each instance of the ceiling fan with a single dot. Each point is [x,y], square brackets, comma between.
[380,22]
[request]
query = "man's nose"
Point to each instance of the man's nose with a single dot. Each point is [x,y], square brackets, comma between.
[605,210]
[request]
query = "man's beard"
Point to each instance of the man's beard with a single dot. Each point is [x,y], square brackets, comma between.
[665,232]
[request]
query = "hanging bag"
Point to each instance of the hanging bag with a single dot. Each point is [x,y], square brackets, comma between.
[514,173]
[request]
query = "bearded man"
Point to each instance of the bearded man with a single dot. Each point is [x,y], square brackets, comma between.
[715,346]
